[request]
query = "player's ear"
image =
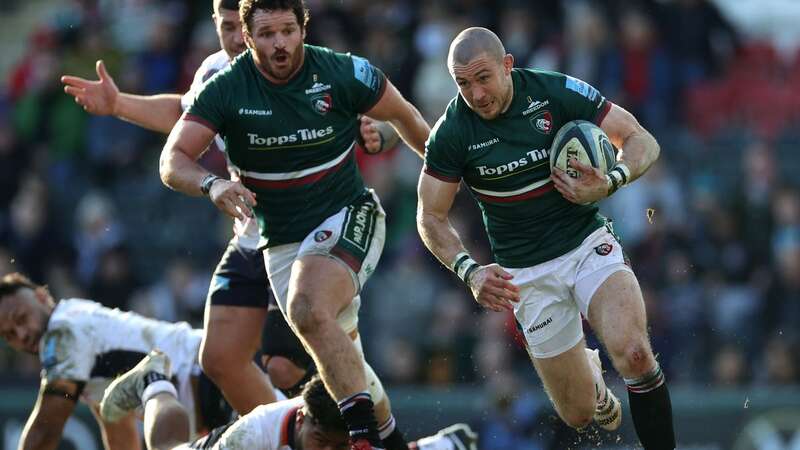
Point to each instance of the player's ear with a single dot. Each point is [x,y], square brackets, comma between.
[508,63]
[299,418]
[42,295]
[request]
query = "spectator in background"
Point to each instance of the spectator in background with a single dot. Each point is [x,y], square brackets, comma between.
[180,293]
[97,231]
[755,197]
[683,312]
[588,47]
[701,40]
[646,87]
[14,160]
[114,283]
[779,362]
[729,367]
[31,235]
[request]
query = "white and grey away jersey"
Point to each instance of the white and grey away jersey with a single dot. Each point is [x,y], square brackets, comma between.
[268,427]
[89,343]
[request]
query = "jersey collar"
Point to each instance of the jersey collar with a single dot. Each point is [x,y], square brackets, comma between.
[287,427]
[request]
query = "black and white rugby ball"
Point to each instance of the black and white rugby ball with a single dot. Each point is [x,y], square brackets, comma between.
[584,141]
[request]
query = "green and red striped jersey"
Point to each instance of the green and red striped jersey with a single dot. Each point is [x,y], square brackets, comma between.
[505,162]
[293,143]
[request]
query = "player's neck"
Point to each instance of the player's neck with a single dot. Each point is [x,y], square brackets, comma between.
[509,97]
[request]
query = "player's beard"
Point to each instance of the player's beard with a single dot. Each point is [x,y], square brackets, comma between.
[282,64]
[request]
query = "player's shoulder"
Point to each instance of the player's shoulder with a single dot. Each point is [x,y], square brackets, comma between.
[455,116]
[556,82]
[547,79]
[346,65]
[234,70]
[325,55]
[213,63]
[275,412]
[73,311]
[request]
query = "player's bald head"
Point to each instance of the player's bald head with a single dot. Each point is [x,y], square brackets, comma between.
[226,4]
[473,42]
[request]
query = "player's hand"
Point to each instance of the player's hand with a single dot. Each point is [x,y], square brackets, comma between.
[492,288]
[373,142]
[97,97]
[232,198]
[590,187]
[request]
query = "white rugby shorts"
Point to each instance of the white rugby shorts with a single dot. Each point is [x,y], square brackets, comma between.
[555,293]
[354,237]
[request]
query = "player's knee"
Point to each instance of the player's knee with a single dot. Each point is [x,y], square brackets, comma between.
[283,373]
[305,317]
[633,358]
[579,417]
[217,360]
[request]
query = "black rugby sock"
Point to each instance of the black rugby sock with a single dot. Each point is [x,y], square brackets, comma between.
[391,435]
[359,415]
[651,409]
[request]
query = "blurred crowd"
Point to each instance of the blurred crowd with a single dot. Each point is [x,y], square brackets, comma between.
[713,230]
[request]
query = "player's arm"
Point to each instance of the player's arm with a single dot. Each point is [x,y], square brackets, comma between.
[121,435]
[403,116]
[638,149]
[54,405]
[102,97]
[489,284]
[179,170]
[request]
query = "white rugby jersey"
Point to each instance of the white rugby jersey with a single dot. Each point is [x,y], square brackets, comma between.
[87,342]
[246,232]
[268,427]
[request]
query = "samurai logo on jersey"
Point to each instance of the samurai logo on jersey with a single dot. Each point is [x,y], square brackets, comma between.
[302,135]
[530,158]
[255,112]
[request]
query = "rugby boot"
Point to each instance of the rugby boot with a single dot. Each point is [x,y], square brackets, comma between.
[608,414]
[124,394]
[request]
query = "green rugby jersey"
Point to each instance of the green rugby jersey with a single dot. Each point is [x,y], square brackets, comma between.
[292,144]
[505,162]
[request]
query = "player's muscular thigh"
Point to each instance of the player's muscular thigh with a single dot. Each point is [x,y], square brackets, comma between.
[319,288]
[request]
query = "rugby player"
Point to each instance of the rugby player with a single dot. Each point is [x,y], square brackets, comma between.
[82,346]
[556,257]
[239,305]
[310,422]
[289,115]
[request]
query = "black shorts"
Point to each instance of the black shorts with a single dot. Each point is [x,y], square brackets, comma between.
[278,339]
[213,409]
[240,279]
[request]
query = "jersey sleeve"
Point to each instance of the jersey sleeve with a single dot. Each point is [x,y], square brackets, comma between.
[579,100]
[208,104]
[364,82]
[444,154]
[66,354]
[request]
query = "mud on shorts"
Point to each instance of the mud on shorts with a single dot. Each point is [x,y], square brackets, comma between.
[555,293]
[353,237]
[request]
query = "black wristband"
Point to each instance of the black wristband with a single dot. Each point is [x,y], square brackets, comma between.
[469,271]
[208,181]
